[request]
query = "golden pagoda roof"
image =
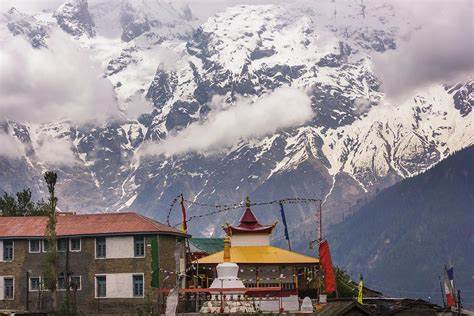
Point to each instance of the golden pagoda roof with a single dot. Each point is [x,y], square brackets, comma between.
[258,255]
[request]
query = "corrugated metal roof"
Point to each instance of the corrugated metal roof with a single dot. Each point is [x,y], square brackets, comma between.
[83,224]
[258,254]
[207,245]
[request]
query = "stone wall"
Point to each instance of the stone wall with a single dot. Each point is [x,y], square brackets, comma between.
[83,263]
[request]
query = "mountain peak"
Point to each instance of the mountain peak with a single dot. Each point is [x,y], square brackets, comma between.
[74,18]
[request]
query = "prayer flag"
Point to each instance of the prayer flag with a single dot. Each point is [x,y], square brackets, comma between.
[326,263]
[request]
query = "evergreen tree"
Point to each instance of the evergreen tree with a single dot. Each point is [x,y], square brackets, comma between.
[22,205]
[51,257]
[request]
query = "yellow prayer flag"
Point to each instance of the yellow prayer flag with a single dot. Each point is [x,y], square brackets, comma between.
[360,295]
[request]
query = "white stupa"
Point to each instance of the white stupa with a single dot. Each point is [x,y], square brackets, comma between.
[227,278]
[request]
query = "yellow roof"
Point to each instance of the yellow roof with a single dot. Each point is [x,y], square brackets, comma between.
[258,254]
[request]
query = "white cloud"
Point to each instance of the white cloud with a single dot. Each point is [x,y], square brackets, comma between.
[55,151]
[285,107]
[440,52]
[61,82]
[11,147]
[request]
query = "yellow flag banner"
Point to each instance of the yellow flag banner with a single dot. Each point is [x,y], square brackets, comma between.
[360,294]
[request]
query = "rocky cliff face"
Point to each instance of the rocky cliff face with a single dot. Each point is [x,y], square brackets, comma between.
[355,145]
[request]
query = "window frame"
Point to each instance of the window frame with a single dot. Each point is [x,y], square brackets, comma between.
[13,288]
[79,288]
[142,275]
[43,247]
[62,240]
[105,248]
[12,252]
[96,286]
[39,245]
[30,288]
[80,244]
[65,283]
[135,246]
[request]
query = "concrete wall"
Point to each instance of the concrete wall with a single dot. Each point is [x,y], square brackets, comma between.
[250,240]
[1,288]
[119,247]
[1,250]
[120,285]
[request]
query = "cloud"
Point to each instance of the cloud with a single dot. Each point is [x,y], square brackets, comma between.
[285,107]
[11,147]
[168,58]
[440,51]
[55,151]
[60,82]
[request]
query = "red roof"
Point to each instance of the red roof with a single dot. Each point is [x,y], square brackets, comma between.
[249,224]
[84,224]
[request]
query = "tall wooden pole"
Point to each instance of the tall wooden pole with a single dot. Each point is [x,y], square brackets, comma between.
[320,222]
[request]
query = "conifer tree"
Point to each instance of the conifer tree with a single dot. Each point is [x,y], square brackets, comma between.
[51,258]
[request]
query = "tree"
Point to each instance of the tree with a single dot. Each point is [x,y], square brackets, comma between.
[8,205]
[51,257]
[22,205]
[345,286]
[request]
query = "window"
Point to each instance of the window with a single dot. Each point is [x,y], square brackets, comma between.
[100,247]
[35,245]
[8,250]
[139,246]
[61,282]
[75,244]
[138,286]
[75,283]
[35,283]
[8,290]
[45,245]
[62,245]
[101,286]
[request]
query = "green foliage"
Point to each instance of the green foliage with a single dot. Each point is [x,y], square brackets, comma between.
[22,205]
[51,258]
[67,308]
[344,284]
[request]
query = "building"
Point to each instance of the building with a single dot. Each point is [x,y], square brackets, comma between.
[202,247]
[343,307]
[107,262]
[260,265]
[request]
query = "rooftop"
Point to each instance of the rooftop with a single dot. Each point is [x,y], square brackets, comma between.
[83,225]
[259,255]
[206,245]
[248,224]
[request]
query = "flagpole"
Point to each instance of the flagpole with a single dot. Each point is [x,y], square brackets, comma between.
[442,291]
[320,222]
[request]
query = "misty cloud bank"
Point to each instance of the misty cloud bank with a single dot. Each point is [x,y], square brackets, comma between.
[283,108]
[11,147]
[45,85]
[55,151]
[441,51]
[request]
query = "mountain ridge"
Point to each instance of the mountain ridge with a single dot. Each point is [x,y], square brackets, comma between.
[355,145]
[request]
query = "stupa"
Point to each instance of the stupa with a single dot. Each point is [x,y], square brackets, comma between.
[227,278]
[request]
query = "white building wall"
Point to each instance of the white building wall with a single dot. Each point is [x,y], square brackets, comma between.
[1,257]
[119,285]
[1,287]
[250,240]
[119,247]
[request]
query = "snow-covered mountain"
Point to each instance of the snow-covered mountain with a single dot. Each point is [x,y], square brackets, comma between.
[158,54]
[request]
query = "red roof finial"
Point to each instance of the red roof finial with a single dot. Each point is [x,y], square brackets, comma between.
[248,223]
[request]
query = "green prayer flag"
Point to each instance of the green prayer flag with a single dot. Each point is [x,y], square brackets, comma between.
[155,264]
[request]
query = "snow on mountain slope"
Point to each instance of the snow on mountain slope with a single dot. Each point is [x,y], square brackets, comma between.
[356,144]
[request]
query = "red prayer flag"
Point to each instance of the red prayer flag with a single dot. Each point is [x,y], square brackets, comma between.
[326,264]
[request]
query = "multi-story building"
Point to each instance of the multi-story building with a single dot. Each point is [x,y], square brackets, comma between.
[107,263]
